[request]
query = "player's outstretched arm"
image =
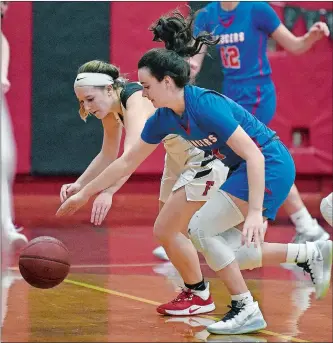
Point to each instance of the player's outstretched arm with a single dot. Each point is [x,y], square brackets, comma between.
[123,166]
[109,151]
[138,110]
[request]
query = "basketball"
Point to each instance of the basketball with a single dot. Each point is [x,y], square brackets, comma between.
[44,262]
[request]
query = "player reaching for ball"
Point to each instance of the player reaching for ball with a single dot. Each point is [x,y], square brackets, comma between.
[190,176]
[252,194]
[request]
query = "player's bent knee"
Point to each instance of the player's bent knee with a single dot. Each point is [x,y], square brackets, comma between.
[161,232]
[215,249]
[218,255]
[249,257]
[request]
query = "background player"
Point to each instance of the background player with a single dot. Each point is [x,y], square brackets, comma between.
[8,153]
[244,29]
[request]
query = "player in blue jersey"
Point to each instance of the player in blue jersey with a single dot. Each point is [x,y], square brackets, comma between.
[190,176]
[254,192]
[243,29]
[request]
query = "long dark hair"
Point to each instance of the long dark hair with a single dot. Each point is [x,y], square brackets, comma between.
[176,32]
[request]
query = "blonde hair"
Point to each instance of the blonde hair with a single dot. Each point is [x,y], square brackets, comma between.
[97,66]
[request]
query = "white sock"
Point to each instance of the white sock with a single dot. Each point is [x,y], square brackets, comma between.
[245,297]
[301,219]
[296,253]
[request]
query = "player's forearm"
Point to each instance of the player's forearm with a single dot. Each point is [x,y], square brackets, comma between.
[114,188]
[117,170]
[256,179]
[300,45]
[97,165]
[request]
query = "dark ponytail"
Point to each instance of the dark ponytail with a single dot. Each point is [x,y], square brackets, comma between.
[176,32]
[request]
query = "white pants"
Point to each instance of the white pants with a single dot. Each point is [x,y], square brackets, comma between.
[8,166]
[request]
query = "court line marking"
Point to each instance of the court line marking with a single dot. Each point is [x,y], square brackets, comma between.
[147,301]
[117,265]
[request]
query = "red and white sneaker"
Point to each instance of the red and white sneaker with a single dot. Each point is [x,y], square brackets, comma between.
[189,302]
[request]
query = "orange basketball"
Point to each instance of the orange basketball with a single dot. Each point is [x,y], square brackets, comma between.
[44,262]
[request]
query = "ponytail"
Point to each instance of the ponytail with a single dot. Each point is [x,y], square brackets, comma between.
[176,32]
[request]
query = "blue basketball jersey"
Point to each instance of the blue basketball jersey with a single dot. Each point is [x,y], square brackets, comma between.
[208,121]
[243,34]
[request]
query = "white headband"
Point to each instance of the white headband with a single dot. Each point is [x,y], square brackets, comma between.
[93,79]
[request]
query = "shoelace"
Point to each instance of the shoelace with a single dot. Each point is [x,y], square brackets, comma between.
[306,269]
[183,296]
[234,310]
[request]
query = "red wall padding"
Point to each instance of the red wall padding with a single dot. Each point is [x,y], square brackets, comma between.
[130,39]
[304,90]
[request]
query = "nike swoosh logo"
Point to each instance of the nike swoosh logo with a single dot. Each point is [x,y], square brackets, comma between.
[193,310]
[81,78]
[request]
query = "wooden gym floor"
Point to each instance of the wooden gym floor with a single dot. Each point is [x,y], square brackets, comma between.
[115,282]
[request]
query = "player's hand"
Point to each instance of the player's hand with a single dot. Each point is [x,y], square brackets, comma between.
[253,229]
[72,204]
[318,31]
[101,207]
[68,190]
[194,69]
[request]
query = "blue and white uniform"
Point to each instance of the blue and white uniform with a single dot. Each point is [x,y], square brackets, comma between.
[208,122]
[243,34]
[185,166]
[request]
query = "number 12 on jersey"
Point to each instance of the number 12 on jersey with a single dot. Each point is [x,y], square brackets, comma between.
[230,56]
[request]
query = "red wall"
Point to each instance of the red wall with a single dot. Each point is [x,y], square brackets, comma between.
[17,27]
[129,40]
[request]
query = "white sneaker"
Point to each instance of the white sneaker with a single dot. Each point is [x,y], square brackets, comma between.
[242,318]
[318,264]
[168,270]
[310,234]
[160,253]
[18,240]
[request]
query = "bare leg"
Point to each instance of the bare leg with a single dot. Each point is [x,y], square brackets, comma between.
[171,230]
[231,273]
